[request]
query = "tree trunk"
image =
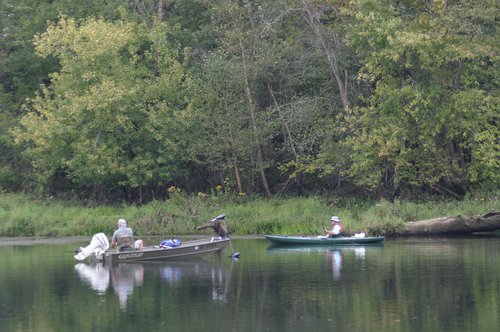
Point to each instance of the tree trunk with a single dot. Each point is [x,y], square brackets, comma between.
[461,224]
[287,133]
[312,16]
[233,152]
[160,10]
[253,118]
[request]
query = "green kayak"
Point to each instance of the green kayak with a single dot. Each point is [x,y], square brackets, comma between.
[347,240]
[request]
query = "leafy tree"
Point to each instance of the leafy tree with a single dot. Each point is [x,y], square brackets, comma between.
[22,71]
[310,81]
[20,74]
[384,96]
[107,122]
[287,84]
[432,118]
[237,24]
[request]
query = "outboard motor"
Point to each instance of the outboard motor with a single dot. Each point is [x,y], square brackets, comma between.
[97,247]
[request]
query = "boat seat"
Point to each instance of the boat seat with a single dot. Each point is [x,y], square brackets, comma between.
[126,243]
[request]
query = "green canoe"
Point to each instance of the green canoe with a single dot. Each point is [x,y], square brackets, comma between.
[348,240]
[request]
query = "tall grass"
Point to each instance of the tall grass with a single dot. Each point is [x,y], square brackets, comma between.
[22,215]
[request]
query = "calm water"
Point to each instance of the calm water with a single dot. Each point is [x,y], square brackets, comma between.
[403,285]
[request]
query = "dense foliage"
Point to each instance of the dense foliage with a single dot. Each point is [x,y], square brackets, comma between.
[112,100]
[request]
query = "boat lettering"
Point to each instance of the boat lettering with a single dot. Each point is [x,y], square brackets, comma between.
[130,255]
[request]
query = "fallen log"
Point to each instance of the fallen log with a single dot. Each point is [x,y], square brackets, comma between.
[461,224]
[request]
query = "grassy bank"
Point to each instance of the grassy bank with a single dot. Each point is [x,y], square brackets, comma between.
[21,215]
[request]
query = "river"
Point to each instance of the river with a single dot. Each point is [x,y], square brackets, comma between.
[414,284]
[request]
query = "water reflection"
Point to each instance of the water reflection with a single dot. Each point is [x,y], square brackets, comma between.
[417,284]
[126,277]
[220,283]
[359,250]
[171,274]
[97,276]
[337,261]
[218,275]
[334,255]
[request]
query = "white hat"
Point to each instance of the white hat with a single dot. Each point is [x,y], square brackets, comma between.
[122,223]
[335,218]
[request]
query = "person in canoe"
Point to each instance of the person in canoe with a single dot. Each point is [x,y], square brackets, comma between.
[123,238]
[337,228]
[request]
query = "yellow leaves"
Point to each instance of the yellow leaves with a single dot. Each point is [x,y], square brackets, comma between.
[424,20]
[461,52]
[108,111]
[438,6]
[388,148]
[88,76]
[89,41]
[56,39]
[102,95]
[173,189]
[98,38]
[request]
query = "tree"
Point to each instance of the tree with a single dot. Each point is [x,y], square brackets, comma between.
[22,71]
[107,121]
[308,65]
[315,13]
[220,126]
[20,74]
[431,120]
[238,28]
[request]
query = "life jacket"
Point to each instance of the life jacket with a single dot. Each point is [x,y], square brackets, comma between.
[341,228]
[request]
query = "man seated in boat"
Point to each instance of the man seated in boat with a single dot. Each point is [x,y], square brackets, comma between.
[123,238]
[337,228]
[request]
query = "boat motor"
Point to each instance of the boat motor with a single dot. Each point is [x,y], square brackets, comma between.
[98,246]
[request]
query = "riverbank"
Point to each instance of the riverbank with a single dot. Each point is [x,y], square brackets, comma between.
[31,241]
[24,216]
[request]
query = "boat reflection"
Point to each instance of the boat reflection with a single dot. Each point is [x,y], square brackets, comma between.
[358,250]
[125,277]
[334,254]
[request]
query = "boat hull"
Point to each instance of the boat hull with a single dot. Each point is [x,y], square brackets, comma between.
[187,249]
[301,240]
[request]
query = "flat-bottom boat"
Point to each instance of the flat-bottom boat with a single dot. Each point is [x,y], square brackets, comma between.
[98,249]
[155,253]
[322,240]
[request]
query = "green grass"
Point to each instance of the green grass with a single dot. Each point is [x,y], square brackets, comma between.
[22,215]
